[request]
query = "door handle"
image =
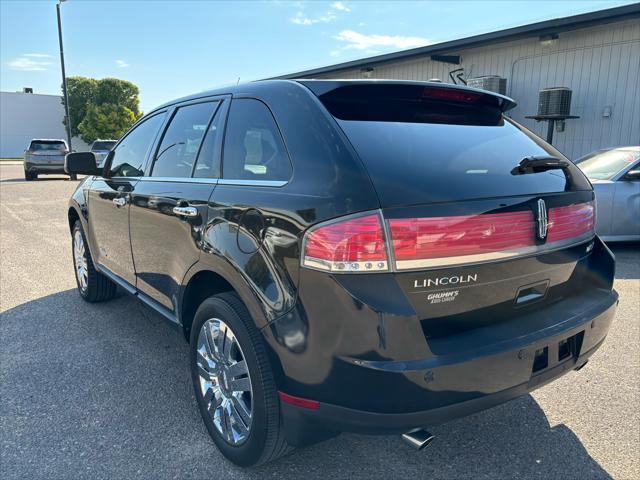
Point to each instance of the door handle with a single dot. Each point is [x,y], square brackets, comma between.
[120,201]
[186,211]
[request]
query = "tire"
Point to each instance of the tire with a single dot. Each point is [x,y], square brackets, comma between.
[73,176]
[264,438]
[92,285]
[29,176]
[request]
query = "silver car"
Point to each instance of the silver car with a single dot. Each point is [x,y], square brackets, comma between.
[44,155]
[615,175]
[101,149]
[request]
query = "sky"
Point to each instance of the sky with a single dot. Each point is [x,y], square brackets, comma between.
[175,48]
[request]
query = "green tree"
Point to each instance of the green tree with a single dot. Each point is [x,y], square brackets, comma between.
[82,92]
[105,121]
[101,108]
[118,92]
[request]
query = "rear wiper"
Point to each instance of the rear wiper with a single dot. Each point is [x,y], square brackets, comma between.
[539,163]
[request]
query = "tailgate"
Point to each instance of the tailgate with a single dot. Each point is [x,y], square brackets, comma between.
[480,262]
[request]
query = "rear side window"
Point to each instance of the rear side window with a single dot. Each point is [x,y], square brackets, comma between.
[181,141]
[253,147]
[47,145]
[129,156]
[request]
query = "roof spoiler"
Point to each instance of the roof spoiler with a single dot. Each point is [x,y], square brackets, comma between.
[435,90]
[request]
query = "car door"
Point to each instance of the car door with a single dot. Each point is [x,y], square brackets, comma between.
[169,203]
[248,223]
[109,199]
[625,218]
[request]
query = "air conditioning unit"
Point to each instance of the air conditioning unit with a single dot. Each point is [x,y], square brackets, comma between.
[492,83]
[555,101]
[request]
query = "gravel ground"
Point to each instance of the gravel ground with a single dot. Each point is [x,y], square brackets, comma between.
[103,391]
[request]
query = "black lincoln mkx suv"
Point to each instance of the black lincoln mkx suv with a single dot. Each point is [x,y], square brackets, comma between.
[367,256]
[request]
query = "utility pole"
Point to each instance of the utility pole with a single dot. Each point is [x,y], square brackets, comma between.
[64,79]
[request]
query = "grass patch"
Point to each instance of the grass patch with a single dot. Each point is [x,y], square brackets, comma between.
[10,159]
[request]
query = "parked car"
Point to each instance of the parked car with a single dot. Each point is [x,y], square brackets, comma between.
[101,149]
[615,175]
[367,256]
[45,156]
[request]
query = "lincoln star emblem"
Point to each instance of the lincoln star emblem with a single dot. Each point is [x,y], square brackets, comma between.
[543,221]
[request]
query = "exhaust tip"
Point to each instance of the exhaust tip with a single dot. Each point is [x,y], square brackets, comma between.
[418,438]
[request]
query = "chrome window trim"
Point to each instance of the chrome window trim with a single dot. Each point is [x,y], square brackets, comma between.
[179,179]
[253,183]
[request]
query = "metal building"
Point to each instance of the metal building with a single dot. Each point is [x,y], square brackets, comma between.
[24,116]
[596,55]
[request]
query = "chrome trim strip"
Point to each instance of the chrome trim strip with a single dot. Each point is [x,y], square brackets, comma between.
[218,181]
[467,260]
[253,183]
[179,179]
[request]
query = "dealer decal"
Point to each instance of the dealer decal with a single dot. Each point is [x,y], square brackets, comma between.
[442,297]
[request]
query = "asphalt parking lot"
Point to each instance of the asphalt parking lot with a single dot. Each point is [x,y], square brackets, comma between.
[103,390]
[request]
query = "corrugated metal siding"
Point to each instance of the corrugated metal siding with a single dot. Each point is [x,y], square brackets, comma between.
[24,116]
[600,64]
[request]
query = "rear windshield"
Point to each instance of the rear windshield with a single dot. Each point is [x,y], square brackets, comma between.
[422,151]
[44,145]
[108,145]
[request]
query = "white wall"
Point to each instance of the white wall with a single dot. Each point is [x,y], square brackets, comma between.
[600,64]
[24,116]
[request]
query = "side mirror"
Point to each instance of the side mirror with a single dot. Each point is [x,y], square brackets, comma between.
[83,163]
[631,175]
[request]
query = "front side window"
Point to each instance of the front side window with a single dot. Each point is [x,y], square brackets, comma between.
[129,156]
[181,141]
[253,147]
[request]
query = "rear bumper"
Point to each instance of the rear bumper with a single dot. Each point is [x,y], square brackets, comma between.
[45,167]
[456,385]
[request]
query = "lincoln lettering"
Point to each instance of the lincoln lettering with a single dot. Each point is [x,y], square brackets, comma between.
[436,282]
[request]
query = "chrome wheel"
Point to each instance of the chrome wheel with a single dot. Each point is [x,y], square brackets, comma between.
[225,383]
[80,260]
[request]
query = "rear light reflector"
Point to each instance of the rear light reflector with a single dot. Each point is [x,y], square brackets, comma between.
[468,237]
[571,221]
[349,245]
[298,402]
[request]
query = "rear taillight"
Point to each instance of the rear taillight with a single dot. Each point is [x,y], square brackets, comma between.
[433,241]
[355,244]
[571,221]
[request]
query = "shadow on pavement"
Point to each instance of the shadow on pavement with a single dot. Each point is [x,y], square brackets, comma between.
[627,259]
[39,179]
[103,391]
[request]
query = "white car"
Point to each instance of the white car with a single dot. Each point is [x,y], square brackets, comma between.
[615,175]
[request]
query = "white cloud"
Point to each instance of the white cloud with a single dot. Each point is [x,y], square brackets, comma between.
[30,62]
[301,19]
[360,41]
[335,53]
[335,9]
[121,64]
[340,6]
